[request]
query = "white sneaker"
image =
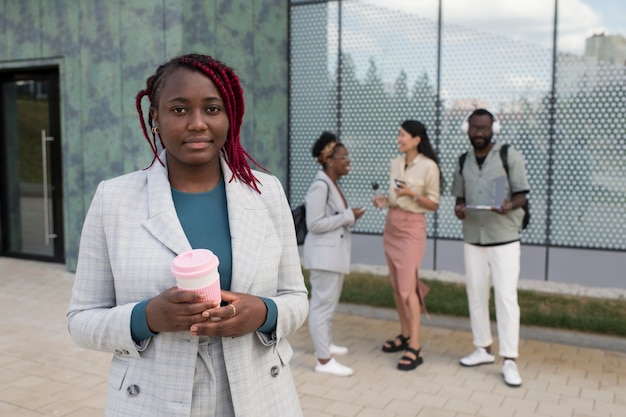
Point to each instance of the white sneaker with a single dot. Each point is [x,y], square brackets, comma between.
[510,373]
[478,357]
[334,368]
[337,350]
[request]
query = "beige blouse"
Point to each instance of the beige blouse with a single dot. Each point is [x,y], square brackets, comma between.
[421,176]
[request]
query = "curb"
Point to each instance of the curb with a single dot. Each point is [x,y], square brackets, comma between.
[523,284]
[550,335]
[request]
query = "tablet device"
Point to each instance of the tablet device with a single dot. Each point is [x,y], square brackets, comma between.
[478,207]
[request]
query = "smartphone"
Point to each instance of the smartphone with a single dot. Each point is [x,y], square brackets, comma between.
[398,182]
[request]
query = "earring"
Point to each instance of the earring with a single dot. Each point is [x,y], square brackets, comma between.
[155,130]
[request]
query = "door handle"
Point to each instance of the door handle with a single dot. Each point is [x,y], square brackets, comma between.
[44,166]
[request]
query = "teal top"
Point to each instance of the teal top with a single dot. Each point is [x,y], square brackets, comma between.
[204,218]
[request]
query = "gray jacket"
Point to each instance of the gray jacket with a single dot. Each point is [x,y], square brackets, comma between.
[328,244]
[130,237]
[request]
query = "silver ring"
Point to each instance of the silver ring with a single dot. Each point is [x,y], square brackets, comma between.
[234,310]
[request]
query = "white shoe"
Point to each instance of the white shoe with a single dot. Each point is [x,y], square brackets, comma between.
[511,374]
[337,350]
[478,357]
[334,368]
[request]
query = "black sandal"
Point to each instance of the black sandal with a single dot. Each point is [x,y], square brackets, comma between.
[391,346]
[413,363]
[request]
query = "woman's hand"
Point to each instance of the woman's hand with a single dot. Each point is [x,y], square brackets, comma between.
[244,314]
[379,200]
[176,310]
[403,190]
[358,212]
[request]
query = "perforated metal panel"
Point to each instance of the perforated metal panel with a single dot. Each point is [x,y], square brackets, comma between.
[512,79]
[589,194]
[313,40]
[573,141]
[378,85]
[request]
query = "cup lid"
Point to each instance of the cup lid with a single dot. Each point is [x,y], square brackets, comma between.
[194,263]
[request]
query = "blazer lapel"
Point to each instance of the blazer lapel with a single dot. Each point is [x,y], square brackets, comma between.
[334,200]
[162,220]
[247,218]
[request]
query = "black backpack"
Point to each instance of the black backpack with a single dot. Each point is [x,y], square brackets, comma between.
[504,156]
[299,218]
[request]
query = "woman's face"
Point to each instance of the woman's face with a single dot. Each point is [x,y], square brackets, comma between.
[339,163]
[192,119]
[406,142]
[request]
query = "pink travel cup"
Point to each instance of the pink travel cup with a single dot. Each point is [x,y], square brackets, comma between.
[196,270]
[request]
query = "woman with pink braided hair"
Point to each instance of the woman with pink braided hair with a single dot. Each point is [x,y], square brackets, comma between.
[177,353]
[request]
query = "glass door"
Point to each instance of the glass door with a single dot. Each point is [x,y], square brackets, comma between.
[30,156]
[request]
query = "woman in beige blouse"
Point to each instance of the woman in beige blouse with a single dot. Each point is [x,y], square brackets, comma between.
[413,190]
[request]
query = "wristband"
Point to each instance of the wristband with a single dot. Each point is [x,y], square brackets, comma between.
[416,197]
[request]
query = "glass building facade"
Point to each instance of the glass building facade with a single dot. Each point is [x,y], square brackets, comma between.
[553,72]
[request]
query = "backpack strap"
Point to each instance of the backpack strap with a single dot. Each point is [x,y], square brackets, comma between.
[505,164]
[462,159]
[462,162]
[504,156]
[327,188]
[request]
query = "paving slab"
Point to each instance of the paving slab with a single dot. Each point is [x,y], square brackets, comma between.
[43,373]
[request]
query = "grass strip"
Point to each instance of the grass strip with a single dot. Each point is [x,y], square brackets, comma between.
[584,314]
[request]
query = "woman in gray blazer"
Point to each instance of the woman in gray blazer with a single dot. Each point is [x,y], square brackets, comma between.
[327,248]
[176,353]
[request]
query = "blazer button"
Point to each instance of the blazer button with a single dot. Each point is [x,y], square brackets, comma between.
[274,371]
[133,390]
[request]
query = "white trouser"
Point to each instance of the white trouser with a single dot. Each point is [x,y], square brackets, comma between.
[325,292]
[500,264]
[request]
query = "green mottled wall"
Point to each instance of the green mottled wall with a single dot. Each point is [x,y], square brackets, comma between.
[106,49]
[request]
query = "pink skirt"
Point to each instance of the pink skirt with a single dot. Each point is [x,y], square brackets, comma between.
[404,239]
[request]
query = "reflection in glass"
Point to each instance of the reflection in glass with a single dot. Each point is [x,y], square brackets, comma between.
[29,101]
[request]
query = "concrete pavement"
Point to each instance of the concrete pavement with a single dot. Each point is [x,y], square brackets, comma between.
[42,373]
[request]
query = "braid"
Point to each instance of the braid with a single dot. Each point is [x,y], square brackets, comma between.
[152,142]
[230,89]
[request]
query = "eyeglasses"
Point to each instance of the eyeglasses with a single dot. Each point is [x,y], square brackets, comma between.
[482,129]
[344,157]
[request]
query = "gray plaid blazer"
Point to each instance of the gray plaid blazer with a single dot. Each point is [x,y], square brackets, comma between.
[130,236]
[328,245]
